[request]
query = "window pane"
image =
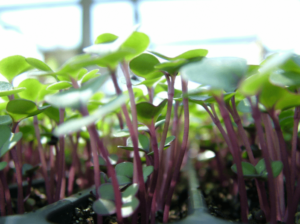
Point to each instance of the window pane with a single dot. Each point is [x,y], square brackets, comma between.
[28,2]
[111,18]
[47,27]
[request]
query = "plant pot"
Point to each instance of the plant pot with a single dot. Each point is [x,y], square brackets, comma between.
[61,211]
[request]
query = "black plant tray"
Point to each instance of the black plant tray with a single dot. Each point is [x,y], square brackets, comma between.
[60,212]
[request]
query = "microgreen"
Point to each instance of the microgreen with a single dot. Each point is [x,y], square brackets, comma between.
[133,148]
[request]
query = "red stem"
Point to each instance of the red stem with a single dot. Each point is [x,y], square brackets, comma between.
[60,159]
[181,154]
[132,127]
[256,114]
[42,159]
[6,193]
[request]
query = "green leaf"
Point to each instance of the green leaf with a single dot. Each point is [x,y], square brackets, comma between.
[172,67]
[143,66]
[274,62]
[253,84]
[3,164]
[7,89]
[122,180]
[105,38]
[124,169]
[292,64]
[14,138]
[147,171]
[12,66]
[52,113]
[168,141]
[5,120]
[137,41]
[38,64]
[5,134]
[196,53]
[143,144]
[112,158]
[147,111]
[76,98]
[106,191]
[59,85]
[129,208]
[129,193]
[107,48]
[103,178]
[104,207]
[28,170]
[33,88]
[248,169]
[19,109]
[218,73]
[90,75]
[75,125]
[276,166]
[278,97]
[283,78]
[125,132]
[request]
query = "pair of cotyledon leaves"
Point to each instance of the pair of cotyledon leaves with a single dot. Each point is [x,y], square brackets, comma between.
[259,170]
[268,79]
[8,139]
[105,205]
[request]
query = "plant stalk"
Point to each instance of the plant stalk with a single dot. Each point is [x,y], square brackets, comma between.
[180,157]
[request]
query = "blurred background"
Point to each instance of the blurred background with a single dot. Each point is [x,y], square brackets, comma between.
[56,30]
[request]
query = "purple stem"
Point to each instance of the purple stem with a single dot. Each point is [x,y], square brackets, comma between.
[132,126]
[294,145]
[284,157]
[6,193]
[294,205]
[236,156]
[42,159]
[256,114]
[60,159]
[18,167]
[2,199]
[279,184]
[180,157]
[155,172]
[111,171]
[262,197]
[164,136]
[150,93]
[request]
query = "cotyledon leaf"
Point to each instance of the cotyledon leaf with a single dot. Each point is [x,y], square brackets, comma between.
[76,124]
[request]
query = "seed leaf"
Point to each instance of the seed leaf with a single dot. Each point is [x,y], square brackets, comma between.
[12,66]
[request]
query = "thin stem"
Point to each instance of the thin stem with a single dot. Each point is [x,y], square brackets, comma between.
[112,173]
[132,126]
[294,145]
[167,175]
[256,114]
[2,200]
[284,157]
[61,159]
[182,151]
[242,131]
[6,193]
[236,156]
[279,186]
[155,172]
[42,159]
[18,168]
